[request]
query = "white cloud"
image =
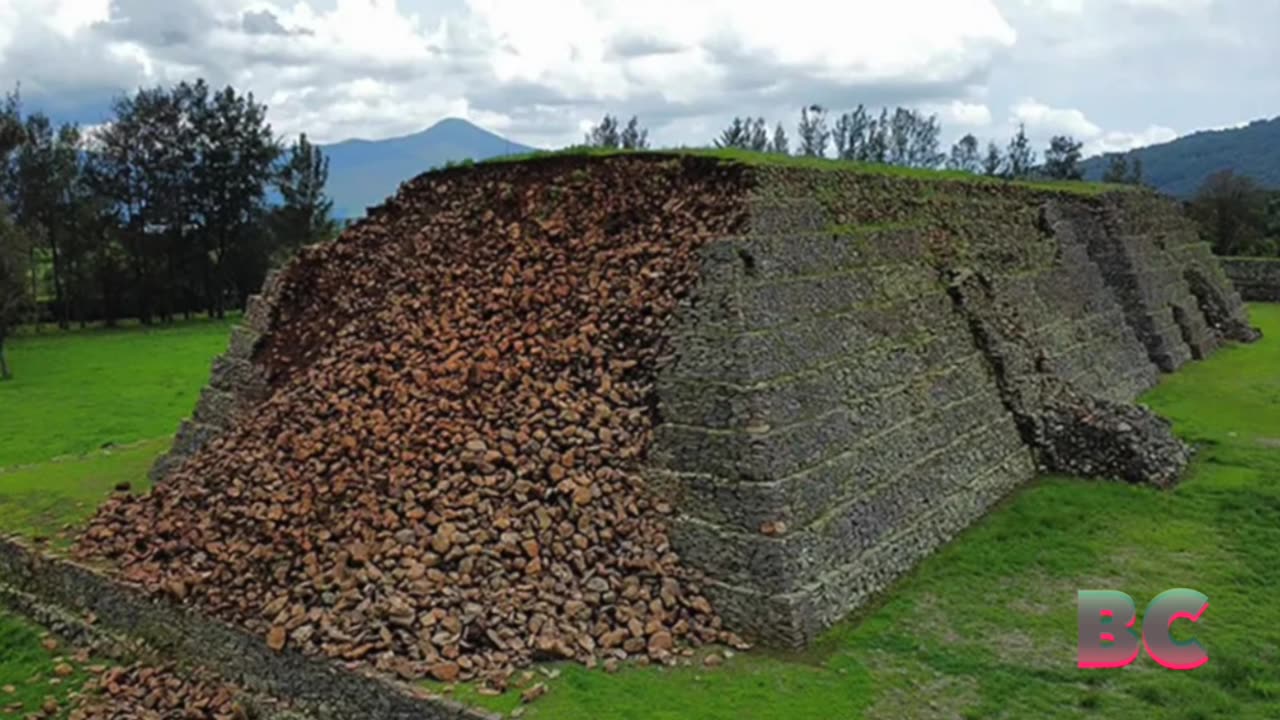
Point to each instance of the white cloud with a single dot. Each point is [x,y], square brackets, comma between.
[68,16]
[1176,7]
[1230,126]
[1119,141]
[852,40]
[1042,119]
[538,71]
[966,114]
[377,67]
[1063,7]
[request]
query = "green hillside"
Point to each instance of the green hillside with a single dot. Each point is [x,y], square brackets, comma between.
[1180,166]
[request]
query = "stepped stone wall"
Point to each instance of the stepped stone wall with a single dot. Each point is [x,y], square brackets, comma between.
[1257,279]
[235,383]
[874,361]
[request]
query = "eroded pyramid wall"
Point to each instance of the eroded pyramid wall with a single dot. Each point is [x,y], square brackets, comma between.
[877,361]
[863,369]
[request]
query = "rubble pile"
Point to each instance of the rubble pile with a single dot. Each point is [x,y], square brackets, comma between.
[143,692]
[1071,431]
[444,479]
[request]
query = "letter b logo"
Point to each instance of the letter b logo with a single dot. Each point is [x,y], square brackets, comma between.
[1107,638]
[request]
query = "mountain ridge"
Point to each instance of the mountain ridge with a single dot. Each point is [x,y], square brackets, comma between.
[1180,166]
[364,172]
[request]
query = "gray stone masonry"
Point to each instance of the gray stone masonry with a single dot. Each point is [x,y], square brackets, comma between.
[46,587]
[854,384]
[1257,279]
[235,383]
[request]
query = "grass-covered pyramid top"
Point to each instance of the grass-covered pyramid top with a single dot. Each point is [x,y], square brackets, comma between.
[777,160]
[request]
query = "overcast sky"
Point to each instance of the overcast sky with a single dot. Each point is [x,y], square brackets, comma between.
[1114,73]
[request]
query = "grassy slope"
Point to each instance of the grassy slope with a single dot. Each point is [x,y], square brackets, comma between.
[43,500]
[75,392]
[986,628]
[749,157]
[28,669]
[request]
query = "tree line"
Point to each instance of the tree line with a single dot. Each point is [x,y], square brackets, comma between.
[903,136]
[1237,215]
[163,211]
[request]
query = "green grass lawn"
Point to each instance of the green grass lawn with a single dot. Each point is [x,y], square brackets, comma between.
[48,500]
[88,410]
[29,672]
[751,157]
[75,392]
[984,628]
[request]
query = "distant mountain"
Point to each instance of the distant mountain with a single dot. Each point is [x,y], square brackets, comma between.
[1180,166]
[363,173]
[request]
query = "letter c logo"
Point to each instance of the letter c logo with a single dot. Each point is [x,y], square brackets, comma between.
[1157,629]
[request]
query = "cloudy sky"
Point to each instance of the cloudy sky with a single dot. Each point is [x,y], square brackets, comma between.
[1114,73]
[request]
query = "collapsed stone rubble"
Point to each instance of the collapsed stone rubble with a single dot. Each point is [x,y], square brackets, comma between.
[443,480]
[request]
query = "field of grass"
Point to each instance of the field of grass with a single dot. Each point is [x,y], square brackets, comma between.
[985,628]
[31,674]
[750,157]
[90,410]
[46,500]
[74,392]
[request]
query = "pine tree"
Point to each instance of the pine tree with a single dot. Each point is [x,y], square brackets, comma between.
[876,149]
[965,155]
[1135,174]
[759,135]
[901,127]
[993,163]
[840,136]
[303,216]
[923,149]
[633,136]
[1117,169]
[812,131]
[737,135]
[45,172]
[1020,158]
[780,144]
[1123,169]
[605,135]
[237,161]
[851,134]
[14,253]
[1062,159]
[14,264]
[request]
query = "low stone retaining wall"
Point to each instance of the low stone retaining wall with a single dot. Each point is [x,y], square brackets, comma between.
[29,578]
[1257,279]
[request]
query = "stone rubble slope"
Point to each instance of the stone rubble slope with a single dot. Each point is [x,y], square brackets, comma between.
[1071,431]
[144,692]
[444,480]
